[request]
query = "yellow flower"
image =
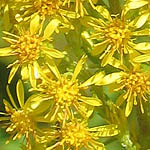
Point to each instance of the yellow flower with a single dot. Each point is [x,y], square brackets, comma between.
[114,35]
[45,10]
[28,48]
[20,121]
[134,83]
[77,135]
[65,93]
[144,14]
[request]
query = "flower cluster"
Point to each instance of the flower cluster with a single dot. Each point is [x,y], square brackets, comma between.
[72,57]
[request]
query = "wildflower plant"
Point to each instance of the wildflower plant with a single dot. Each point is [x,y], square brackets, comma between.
[75,74]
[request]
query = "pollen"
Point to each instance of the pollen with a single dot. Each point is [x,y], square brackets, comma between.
[75,134]
[117,32]
[138,82]
[27,48]
[20,122]
[47,7]
[65,91]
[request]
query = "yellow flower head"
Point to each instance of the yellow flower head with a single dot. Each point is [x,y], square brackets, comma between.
[134,82]
[116,35]
[28,47]
[77,135]
[21,121]
[65,92]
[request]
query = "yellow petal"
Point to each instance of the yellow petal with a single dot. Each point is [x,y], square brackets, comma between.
[39,72]
[10,97]
[129,104]
[86,38]
[79,66]
[142,58]
[31,75]
[24,72]
[99,48]
[120,100]
[104,12]
[142,46]
[111,78]
[20,93]
[94,79]
[141,106]
[141,32]
[93,101]
[141,20]
[5,51]
[51,64]
[69,14]
[6,18]
[7,104]
[136,4]
[12,72]
[117,64]
[107,58]
[34,24]
[105,131]
[37,104]
[50,28]
[53,53]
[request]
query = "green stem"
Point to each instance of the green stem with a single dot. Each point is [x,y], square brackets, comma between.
[115,7]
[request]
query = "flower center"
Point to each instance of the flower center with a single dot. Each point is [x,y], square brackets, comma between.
[47,7]
[75,134]
[27,48]
[20,122]
[117,32]
[65,91]
[138,82]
